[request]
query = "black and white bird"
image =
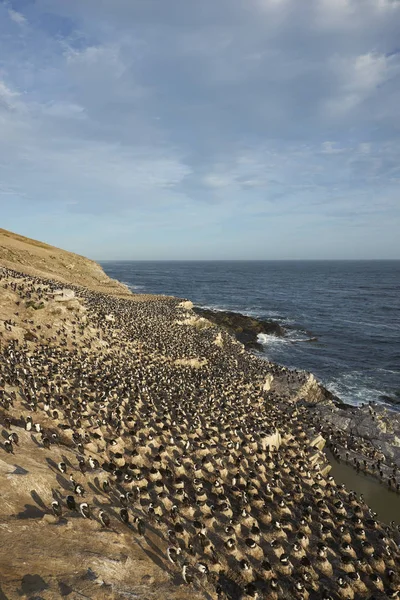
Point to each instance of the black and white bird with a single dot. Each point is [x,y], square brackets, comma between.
[123,500]
[123,513]
[141,525]
[13,438]
[104,518]
[62,467]
[85,510]
[79,489]
[71,504]
[93,463]
[202,568]
[173,554]
[8,447]
[56,508]
[187,573]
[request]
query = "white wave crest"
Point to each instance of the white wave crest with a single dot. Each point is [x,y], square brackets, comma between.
[355,388]
[267,339]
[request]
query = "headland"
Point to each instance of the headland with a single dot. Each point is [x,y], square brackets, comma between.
[145,453]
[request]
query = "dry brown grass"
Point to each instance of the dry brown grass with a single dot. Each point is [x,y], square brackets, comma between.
[38,259]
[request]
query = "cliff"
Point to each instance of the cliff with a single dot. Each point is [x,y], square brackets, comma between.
[37,258]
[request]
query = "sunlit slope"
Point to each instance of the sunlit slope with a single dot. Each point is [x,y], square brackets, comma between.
[37,258]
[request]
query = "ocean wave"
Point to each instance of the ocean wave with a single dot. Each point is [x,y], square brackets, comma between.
[215,307]
[133,287]
[293,336]
[355,388]
[256,314]
[266,339]
[369,324]
[276,316]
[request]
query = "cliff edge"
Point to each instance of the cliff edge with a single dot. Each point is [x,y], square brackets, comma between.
[42,260]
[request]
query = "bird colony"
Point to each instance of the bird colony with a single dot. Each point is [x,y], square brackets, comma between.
[148,426]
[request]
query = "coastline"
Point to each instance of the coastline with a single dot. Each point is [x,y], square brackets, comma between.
[356,435]
[148,405]
[332,411]
[355,354]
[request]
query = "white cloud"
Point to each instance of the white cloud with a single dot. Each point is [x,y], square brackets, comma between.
[334,13]
[330,148]
[7,95]
[250,105]
[358,78]
[213,180]
[17,17]
[95,55]
[354,15]
[68,110]
[364,148]
[367,71]
[42,155]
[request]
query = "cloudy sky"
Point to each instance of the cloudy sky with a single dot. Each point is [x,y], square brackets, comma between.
[221,129]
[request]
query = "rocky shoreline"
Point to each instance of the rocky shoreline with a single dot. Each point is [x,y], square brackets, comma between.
[375,426]
[145,453]
[244,328]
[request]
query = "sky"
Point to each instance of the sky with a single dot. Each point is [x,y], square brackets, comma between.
[212,129]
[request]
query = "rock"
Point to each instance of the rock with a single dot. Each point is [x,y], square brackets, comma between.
[339,421]
[268,381]
[186,304]
[196,363]
[64,295]
[389,399]
[244,328]
[30,337]
[272,441]
[318,442]
[219,341]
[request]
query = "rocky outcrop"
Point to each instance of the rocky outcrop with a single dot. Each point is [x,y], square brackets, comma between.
[244,328]
[360,435]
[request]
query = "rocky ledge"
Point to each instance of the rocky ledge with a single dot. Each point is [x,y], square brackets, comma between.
[365,436]
[244,328]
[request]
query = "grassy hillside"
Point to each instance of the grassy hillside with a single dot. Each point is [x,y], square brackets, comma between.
[37,258]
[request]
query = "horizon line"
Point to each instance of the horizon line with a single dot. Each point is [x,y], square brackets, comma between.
[247,260]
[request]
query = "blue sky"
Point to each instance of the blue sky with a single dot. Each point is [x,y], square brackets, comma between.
[220,129]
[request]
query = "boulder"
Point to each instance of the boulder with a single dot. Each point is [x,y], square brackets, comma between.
[244,328]
[64,295]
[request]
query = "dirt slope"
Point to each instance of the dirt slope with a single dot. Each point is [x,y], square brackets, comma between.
[37,258]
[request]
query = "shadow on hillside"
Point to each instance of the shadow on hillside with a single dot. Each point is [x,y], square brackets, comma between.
[2,595]
[32,584]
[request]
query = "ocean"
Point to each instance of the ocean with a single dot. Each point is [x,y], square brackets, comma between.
[352,308]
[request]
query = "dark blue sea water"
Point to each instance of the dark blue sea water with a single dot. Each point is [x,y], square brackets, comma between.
[351,307]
